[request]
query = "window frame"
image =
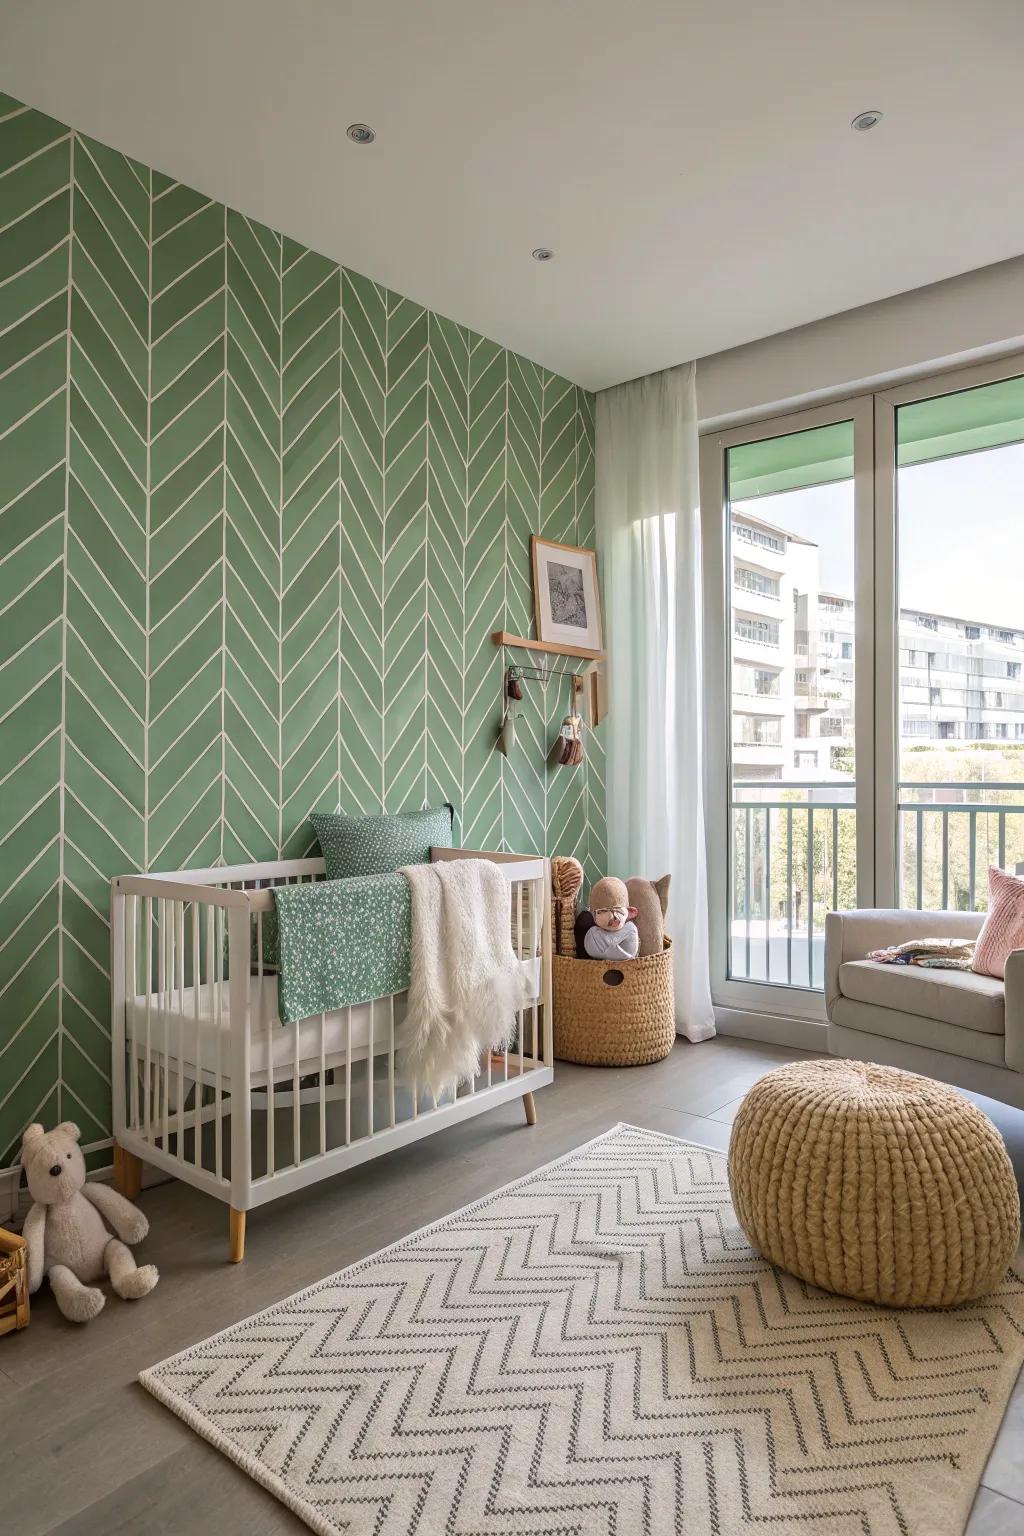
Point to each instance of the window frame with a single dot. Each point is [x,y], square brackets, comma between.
[876,651]
[719,620]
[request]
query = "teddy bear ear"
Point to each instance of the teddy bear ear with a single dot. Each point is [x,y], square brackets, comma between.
[661,887]
[30,1134]
[69,1128]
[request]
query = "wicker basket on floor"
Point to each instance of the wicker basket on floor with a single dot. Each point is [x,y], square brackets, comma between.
[614,1014]
[14,1304]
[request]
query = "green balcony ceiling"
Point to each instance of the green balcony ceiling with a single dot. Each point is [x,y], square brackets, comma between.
[969,421]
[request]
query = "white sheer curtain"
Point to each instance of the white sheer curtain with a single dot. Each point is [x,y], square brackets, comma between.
[648,532]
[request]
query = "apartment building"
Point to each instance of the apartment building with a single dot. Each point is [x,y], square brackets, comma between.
[961,680]
[771,571]
[784,724]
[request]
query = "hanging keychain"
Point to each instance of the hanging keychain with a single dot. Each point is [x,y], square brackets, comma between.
[575,689]
[513,692]
[570,736]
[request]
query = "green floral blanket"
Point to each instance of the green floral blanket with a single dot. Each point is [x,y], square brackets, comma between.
[339,942]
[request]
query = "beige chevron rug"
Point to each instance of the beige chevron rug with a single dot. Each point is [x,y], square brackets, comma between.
[596,1351]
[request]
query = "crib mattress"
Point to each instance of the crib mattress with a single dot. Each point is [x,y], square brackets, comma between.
[190,1026]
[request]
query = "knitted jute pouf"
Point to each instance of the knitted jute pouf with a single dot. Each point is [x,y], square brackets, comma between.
[874,1183]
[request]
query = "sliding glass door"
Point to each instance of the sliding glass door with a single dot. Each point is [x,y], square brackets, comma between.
[958,508]
[790,554]
[865,658]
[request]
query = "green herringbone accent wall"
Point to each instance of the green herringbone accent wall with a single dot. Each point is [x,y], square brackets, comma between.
[258,519]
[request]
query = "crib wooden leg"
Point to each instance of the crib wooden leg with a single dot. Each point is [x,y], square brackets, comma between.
[530,1108]
[127,1173]
[236,1236]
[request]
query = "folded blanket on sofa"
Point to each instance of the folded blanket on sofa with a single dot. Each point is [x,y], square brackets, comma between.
[339,942]
[465,980]
[930,954]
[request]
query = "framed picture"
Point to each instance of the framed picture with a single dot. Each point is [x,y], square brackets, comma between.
[566,601]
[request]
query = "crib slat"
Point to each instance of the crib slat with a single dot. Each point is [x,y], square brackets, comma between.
[211,1015]
[535,950]
[197,989]
[323,1087]
[521,1013]
[171,921]
[296,1127]
[391,1057]
[163,985]
[181,1025]
[218,958]
[369,1069]
[134,1043]
[166,1005]
[147,1086]
[348,1075]
[270,1044]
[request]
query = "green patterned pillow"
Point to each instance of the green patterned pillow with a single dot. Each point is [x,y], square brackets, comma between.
[379,845]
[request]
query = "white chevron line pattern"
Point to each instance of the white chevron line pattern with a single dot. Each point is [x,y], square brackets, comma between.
[258,519]
[596,1349]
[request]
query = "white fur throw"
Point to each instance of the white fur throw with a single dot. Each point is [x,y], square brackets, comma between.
[465,982]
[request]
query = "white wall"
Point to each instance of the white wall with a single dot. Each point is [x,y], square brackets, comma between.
[979,314]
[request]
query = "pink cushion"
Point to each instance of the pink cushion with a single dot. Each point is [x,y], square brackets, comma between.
[1003,929]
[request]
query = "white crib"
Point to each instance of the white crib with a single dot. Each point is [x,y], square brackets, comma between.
[210,1086]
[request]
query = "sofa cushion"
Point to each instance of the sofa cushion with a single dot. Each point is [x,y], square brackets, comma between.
[1003,929]
[932,1037]
[962,998]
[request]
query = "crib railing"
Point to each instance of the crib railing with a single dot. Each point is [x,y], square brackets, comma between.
[211,1087]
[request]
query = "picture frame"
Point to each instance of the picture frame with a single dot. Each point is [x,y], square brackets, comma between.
[566,596]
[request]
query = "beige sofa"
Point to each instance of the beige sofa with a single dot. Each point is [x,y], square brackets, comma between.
[962,1028]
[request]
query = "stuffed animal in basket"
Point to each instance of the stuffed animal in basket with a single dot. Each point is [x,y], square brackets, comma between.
[650,898]
[66,1228]
[614,935]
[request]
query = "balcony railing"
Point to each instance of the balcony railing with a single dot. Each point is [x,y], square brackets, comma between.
[949,834]
[793,859]
[757,634]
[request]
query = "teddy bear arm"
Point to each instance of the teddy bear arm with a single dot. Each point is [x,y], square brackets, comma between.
[34,1233]
[126,1219]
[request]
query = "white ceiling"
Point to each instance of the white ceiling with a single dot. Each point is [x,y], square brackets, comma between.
[690,161]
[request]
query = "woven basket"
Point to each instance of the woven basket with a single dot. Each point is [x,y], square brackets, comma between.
[14,1303]
[563,913]
[614,1014]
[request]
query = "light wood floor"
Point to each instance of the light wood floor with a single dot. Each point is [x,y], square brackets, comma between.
[86,1452]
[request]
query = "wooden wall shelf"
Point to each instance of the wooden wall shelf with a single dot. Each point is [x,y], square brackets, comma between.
[516,642]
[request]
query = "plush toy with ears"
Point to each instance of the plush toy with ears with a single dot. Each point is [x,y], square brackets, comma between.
[65,1230]
[650,898]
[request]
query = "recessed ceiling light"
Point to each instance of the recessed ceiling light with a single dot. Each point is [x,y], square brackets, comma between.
[865,120]
[543,254]
[360,133]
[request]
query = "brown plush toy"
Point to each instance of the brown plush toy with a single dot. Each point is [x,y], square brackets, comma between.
[650,898]
[566,883]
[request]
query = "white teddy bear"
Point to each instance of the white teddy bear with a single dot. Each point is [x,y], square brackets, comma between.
[65,1232]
